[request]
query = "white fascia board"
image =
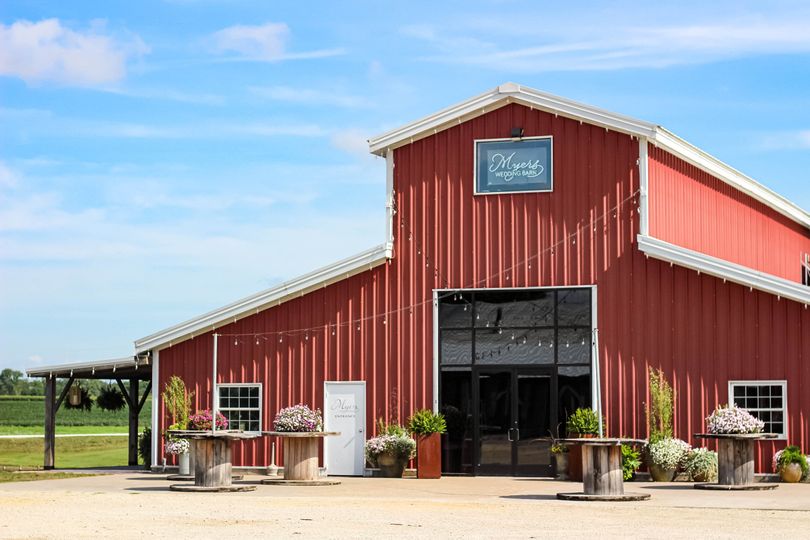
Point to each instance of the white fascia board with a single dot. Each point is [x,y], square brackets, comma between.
[273,296]
[723,269]
[126,361]
[499,97]
[710,164]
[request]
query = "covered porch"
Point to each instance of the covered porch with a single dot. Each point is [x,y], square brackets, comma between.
[127,372]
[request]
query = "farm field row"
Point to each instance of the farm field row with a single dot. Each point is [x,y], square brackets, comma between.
[31,412]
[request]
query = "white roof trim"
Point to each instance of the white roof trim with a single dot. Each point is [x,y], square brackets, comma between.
[262,300]
[126,361]
[515,93]
[724,269]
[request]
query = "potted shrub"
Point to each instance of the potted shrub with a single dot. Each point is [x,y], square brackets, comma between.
[178,402]
[559,452]
[391,450]
[203,421]
[665,457]
[732,420]
[791,464]
[428,427]
[582,423]
[631,461]
[701,465]
[298,419]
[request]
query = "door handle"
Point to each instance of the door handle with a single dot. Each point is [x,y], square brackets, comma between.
[509,434]
[517,431]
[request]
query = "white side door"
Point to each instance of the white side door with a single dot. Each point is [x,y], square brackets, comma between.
[345,411]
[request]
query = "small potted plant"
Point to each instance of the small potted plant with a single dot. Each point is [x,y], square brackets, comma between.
[559,452]
[791,464]
[582,424]
[391,450]
[428,428]
[701,465]
[732,420]
[179,448]
[665,457]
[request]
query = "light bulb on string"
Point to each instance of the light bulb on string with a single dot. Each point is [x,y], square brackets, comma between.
[513,336]
[500,331]
[257,340]
[235,342]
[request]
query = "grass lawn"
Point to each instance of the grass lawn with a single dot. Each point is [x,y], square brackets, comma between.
[63,430]
[71,452]
[6,476]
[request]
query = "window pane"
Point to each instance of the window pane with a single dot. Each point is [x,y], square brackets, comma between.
[514,346]
[514,308]
[574,307]
[456,347]
[455,311]
[574,346]
[776,390]
[573,391]
[254,392]
[739,391]
[751,391]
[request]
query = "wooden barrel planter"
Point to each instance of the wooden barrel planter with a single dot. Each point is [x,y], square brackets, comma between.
[301,459]
[212,460]
[735,461]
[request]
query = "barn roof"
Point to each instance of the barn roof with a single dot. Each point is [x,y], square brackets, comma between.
[514,93]
[476,106]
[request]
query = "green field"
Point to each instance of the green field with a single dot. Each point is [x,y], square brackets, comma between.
[71,452]
[30,411]
[65,430]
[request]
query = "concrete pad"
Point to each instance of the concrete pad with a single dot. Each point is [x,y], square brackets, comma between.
[141,504]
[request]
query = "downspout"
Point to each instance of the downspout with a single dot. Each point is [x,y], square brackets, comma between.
[390,204]
[155,406]
[214,388]
[644,185]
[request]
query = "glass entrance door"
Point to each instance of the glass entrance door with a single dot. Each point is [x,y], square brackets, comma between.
[514,421]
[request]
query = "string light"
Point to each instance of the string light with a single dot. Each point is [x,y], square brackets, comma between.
[481,282]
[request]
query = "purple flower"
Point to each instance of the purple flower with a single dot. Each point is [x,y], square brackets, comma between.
[298,418]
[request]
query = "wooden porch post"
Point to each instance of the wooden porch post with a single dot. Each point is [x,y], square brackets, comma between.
[132,402]
[50,421]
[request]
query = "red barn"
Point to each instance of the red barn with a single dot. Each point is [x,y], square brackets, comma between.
[540,255]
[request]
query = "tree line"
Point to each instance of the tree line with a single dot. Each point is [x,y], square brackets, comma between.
[15,383]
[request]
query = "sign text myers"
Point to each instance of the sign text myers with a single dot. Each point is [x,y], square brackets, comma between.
[513,165]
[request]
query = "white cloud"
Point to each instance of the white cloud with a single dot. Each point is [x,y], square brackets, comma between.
[352,141]
[47,51]
[789,140]
[262,43]
[615,45]
[8,178]
[308,96]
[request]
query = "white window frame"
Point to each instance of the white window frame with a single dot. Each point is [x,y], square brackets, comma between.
[507,139]
[243,385]
[765,382]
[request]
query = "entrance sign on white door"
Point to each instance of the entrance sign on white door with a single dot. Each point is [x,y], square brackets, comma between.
[345,411]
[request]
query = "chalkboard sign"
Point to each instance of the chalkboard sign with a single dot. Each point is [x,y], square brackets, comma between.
[508,166]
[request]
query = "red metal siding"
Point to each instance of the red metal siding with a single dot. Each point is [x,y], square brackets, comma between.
[695,210]
[700,330]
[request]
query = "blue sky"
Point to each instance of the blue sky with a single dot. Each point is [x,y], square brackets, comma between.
[161,158]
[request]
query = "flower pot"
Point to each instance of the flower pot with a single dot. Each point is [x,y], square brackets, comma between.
[702,476]
[561,466]
[429,456]
[791,473]
[391,466]
[183,463]
[659,474]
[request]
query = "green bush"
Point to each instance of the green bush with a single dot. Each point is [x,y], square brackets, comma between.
[384,428]
[631,461]
[792,454]
[110,399]
[701,462]
[425,422]
[584,421]
[145,447]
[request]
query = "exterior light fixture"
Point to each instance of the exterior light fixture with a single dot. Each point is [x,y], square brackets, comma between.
[517,133]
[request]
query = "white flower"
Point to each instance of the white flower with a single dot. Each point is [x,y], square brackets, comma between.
[668,453]
[733,420]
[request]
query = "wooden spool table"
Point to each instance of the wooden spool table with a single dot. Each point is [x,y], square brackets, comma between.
[735,461]
[602,474]
[212,460]
[301,459]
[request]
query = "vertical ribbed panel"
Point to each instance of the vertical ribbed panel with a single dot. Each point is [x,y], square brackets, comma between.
[700,331]
[692,209]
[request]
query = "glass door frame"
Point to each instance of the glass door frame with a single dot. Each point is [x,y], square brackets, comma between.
[514,468]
